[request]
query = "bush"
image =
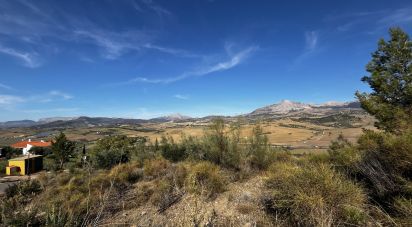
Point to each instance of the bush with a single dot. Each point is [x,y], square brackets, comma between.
[50,164]
[106,159]
[205,179]
[117,149]
[126,173]
[9,152]
[221,146]
[260,154]
[156,167]
[3,165]
[381,161]
[314,195]
[171,150]
[403,206]
[24,189]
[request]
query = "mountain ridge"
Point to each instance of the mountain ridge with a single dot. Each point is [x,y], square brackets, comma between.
[283,108]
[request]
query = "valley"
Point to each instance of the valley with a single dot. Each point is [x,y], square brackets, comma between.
[296,126]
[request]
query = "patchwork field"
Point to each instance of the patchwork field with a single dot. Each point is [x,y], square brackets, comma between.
[300,136]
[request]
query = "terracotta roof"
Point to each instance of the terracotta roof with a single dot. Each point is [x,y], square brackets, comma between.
[23,144]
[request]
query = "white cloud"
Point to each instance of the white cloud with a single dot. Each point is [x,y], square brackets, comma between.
[173,51]
[114,45]
[5,87]
[156,8]
[29,59]
[311,38]
[10,100]
[311,47]
[183,97]
[397,17]
[233,61]
[376,21]
[63,95]
[31,23]
[50,97]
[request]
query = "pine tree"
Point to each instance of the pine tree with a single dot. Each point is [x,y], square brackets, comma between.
[391,82]
[62,149]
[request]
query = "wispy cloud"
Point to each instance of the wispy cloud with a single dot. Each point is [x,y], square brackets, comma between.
[28,59]
[29,24]
[6,100]
[63,95]
[374,21]
[51,96]
[150,4]
[311,46]
[232,61]
[173,51]
[74,109]
[397,17]
[3,86]
[114,44]
[311,38]
[183,97]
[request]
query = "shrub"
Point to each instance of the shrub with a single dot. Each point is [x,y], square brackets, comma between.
[106,159]
[205,179]
[9,152]
[117,149]
[385,165]
[126,173]
[314,195]
[24,189]
[403,206]
[156,167]
[164,190]
[171,150]
[259,151]
[3,165]
[49,164]
[343,154]
[221,146]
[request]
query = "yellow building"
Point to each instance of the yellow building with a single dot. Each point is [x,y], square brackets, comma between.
[25,165]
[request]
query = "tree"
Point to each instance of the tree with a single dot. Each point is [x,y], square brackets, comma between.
[259,150]
[216,141]
[9,152]
[171,150]
[391,82]
[113,150]
[62,149]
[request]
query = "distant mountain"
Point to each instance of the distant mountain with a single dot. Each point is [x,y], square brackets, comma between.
[52,119]
[171,118]
[286,107]
[14,124]
[89,122]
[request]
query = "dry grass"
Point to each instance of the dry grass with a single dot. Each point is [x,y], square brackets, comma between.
[206,179]
[314,195]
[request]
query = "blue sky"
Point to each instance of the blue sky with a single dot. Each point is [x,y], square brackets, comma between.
[143,58]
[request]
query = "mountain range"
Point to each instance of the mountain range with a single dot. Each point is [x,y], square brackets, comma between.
[286,107]
[281,109]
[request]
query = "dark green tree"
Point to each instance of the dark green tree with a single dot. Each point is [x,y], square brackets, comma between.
[8,152]
[62,149]
[390,79]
